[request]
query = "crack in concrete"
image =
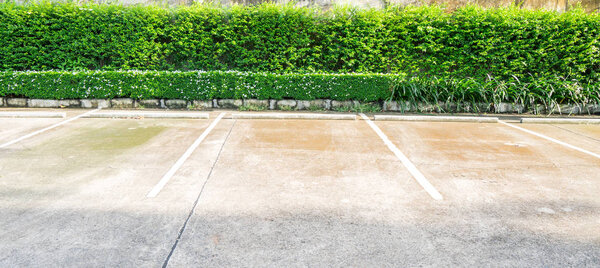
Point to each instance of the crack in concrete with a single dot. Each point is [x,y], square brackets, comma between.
[576,133]
[166,262]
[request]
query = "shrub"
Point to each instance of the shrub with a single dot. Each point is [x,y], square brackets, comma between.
[418,41]
[199,85]
[194,85]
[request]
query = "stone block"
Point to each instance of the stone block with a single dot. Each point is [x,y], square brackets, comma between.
[272,104]
[176,104]
[311,105]
[94,103]
[391,106]
[344,104]
[255,102]
[121,103]
[39,103]
[201,104]
[327,104]
[16,102]
[69,103]
[151,103]
[229,103]
[286,104]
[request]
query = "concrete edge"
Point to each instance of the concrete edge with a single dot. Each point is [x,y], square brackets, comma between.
[293,116]
[560,121]
[475,119]
[33,115]
[160,115]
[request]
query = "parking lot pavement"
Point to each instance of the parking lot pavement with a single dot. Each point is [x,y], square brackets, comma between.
[515,199]
[13,128]
[76,196]
[582,135]
[303,192]
[258,192]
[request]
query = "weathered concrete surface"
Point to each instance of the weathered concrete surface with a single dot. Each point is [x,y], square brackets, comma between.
[145,114]
[333,196]
[473,119]
[298,193]
[583,136]
[521,200]
[80,199]
[13,128]
[282,196]
[537,120]
[29,114]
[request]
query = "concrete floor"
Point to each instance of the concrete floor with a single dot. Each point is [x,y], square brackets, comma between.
[296,193]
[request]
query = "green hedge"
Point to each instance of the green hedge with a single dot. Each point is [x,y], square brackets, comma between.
[194,85]
[471,42]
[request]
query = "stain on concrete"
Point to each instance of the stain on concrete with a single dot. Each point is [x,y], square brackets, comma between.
[77,151]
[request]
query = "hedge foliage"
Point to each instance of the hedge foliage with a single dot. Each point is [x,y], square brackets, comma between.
[482,44]
[194,85]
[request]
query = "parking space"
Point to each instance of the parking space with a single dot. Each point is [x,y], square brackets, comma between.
[76,195]
[270,192]
[581,135]
[13,128]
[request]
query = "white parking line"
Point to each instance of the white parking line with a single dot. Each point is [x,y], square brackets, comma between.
[165,179]
[552,140]
[407,163]
[46,129]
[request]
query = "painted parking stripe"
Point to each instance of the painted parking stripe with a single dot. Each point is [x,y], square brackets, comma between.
[552,140]
[46,129]
[165,179]
[407,163]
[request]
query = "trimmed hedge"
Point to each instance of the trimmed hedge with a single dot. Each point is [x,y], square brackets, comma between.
[195,85]
[471,42]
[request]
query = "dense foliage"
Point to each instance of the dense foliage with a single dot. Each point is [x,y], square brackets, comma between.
[417,41]
[193,85]
[421,54]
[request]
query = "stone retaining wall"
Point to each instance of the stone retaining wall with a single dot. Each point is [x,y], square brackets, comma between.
[315,105]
